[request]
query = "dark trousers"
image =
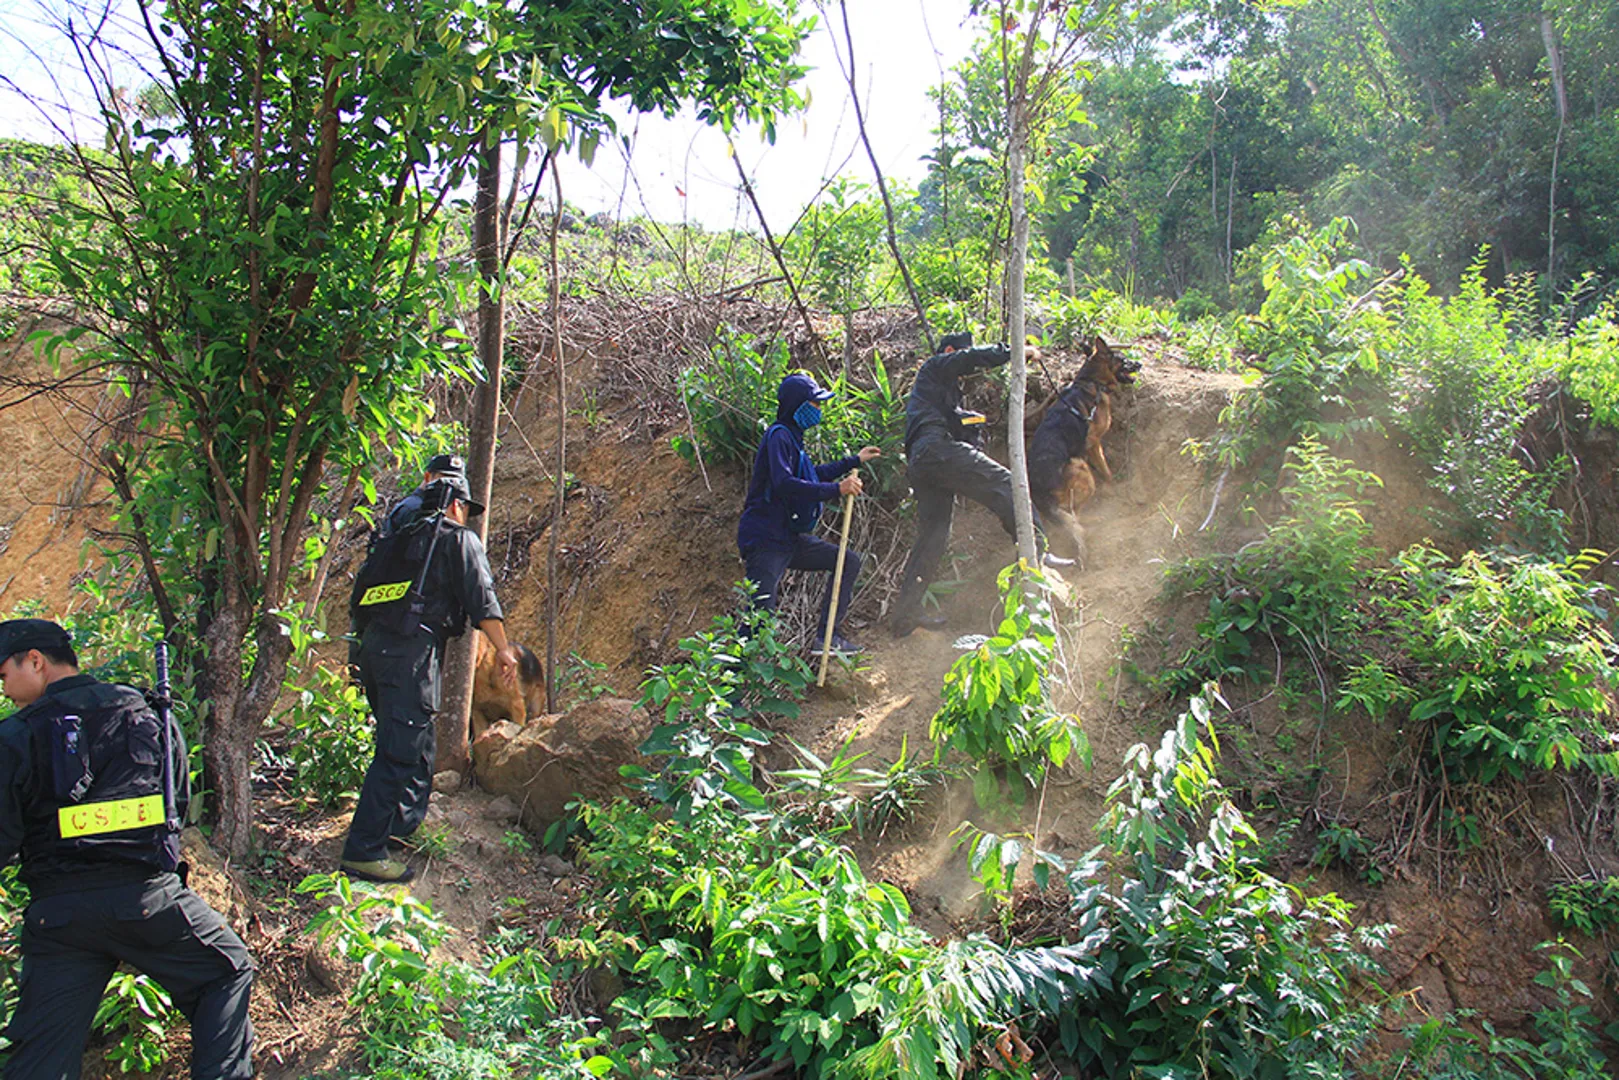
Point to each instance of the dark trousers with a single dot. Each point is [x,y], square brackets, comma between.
[72,943]
[766,565]
[402,681]
[940,469]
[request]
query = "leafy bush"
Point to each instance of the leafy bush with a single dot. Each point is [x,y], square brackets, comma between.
[579,681]
[996,706]
[1302,583]
[330,736]
[138,1012]
[731,398]
[1586,905]
[1462,395]
[1195,304]
[1072,320]
[838,244]
[733,672]
[428,1017]
[861,416]
[835,796]
[1316,347]
[1589,362]
[1439,1048]
[1504,660]
[1211,967]
[738,922]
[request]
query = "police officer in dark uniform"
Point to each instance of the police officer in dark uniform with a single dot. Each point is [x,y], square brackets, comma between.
[82,799]
[941,448]
[413,595]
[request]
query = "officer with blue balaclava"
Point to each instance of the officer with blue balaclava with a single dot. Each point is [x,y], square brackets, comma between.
[784,500]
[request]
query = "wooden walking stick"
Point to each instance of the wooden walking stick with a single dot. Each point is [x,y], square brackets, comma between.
[837,584]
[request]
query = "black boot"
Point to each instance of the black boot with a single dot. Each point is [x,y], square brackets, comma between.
[908,617]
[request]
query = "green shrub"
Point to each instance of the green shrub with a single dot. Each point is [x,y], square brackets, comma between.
[1302,584]
[429,1017]
[732,673]
[1589,906]
[1504,660]
[996,704]
[1211,967]
[1195,304]
[330,738]
[860,416]
[1462,395]
[580,680]
[1316,349]
[1588,362]
[1071,321]
[738,922]
[731,398]
[138,1012]
[1439,1048]
[836,796]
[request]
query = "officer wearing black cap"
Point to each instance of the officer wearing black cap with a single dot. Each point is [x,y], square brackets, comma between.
[82,801]
[406,510]
[417,589]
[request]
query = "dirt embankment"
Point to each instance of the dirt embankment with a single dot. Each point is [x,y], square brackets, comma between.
[53,508]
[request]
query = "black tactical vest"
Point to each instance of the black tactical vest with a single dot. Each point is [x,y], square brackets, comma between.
[391,589]
[98,763]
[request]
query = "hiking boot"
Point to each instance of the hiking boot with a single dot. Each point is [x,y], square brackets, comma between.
[1055,561]
[382,871]
[901,625]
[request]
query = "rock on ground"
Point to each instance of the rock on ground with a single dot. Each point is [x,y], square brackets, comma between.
[546,764]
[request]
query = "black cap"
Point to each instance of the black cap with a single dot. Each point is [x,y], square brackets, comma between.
[457,483]
[20,635]
[961,340]
[446,465]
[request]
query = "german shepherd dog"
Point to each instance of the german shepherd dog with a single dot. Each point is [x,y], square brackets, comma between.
[493,700]
[1065,452]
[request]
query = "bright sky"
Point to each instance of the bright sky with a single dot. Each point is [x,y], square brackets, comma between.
[678,168]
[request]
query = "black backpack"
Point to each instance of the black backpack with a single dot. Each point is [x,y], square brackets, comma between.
[103,775]
[388,590]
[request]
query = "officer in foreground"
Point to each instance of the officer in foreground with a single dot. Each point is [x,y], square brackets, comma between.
[417,589]
[941,449]
[82,798]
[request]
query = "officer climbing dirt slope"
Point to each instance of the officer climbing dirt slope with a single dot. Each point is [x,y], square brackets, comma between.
[85,800]
[418,587]
[941,449]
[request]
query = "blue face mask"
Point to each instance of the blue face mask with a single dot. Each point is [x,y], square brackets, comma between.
[807,415]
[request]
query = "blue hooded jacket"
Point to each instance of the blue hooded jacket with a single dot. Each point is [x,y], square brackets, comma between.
[785,484]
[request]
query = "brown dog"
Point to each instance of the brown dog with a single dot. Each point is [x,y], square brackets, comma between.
[1065,450]
[494,700]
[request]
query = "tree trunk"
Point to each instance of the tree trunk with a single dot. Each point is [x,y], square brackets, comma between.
[455,708]
[560,473]
[1022,506]
[848,346]
[1554,58]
